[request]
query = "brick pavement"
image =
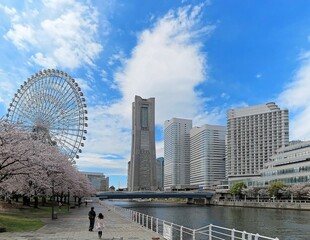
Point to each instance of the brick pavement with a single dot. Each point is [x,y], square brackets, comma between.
[74,226]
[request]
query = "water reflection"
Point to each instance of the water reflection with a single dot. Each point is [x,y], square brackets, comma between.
[284,224]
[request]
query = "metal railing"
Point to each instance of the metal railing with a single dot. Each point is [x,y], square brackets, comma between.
[172,231]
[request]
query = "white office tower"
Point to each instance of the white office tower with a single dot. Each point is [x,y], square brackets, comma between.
[207,151]
[177,152]
[253,135]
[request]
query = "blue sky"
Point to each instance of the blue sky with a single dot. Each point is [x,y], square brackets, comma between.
[197,58]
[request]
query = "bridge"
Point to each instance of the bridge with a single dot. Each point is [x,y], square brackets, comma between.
[132,195]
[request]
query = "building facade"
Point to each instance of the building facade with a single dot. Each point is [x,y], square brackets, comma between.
[160,172]
[207,155]
[289,165]
[253,135]
[177,152]
[142,166]
[98,180]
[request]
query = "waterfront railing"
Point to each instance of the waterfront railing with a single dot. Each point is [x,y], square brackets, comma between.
[172,231]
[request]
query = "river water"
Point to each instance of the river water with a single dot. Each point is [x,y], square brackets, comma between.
[284,224]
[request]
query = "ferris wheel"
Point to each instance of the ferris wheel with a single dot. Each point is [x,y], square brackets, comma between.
[50,104]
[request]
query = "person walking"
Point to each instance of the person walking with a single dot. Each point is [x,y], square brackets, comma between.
[100,225]
[91,216]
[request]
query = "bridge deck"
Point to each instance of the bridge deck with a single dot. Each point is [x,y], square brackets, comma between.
[131,195]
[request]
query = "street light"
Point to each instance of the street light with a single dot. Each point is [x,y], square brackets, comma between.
[68,199]
[52,172]
[54,216]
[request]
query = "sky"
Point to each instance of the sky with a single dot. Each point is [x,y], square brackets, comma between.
[197,58]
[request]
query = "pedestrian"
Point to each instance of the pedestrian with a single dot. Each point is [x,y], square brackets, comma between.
[100,225]
[91,216]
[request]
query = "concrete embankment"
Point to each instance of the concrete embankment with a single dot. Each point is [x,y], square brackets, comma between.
[278,205]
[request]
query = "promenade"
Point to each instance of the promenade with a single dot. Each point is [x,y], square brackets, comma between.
[74,226]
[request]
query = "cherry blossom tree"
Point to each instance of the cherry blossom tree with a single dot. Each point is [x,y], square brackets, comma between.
[15,151]
[31,167]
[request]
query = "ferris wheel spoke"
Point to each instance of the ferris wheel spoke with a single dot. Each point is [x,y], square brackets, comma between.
[68,145]
[58,113]
[57,98]
[23,114]
[64,116]
[66,135]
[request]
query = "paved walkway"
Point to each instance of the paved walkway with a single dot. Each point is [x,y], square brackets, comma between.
[75,226]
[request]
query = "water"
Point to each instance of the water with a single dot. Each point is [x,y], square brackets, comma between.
[284,224]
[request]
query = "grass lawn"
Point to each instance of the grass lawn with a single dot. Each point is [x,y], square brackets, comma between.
[19,224]
[17,218]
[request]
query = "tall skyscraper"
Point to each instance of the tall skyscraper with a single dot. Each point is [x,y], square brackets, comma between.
[177,152]
[142,166]
[253,135]
[207,161]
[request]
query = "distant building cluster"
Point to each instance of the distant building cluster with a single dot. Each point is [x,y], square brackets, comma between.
[98,181]
[254,148]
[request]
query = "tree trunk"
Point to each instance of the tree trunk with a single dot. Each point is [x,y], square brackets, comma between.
[43,201]
[36,201]
[24,201]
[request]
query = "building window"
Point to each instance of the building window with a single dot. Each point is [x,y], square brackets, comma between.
[144,117]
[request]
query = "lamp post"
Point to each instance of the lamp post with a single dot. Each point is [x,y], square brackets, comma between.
[68,199]
[53,199]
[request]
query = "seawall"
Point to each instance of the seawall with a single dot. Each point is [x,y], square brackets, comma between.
[278,205]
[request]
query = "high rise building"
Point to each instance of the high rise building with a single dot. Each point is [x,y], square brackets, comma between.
[142,166]
[207,155]
[177,152]
[253,135]
[160,172]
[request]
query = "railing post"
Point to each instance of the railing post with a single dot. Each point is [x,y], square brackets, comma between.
[233,234]
[152,224]
[256,236]
[157,225]
[210,232]
[143,219]
[194,234]
[243,235]
[147,221]
[181,232]
[163,226]
[250,236]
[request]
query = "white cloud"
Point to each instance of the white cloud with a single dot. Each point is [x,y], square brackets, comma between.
[225,96]
[167,64]
[296,98]
[59,34]
[21,35]
[83,84]
[100,162]
[7,87]
[7,10]
[46,62]
[58,4]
